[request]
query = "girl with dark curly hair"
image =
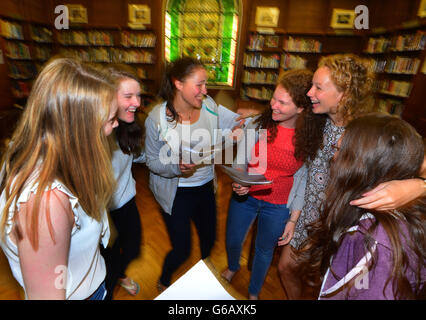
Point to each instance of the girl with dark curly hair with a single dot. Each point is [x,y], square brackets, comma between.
[287,131]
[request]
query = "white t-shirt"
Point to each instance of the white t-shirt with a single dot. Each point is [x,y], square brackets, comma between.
[196,135]
[86,266]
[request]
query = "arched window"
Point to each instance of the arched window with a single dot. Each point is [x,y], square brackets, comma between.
[207,30]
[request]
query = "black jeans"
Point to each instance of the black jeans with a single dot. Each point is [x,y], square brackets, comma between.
[126,246]
[191,203]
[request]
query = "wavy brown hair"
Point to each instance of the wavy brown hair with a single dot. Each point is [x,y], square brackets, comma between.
[374,149]
[60,136]
[309,126]
[354,77]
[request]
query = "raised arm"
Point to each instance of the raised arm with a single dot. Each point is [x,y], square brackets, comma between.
[44,270]
[392,194]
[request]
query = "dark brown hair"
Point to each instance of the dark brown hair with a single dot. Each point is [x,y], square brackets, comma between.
[374,149]
[179,69]
[128,135]
[308,136]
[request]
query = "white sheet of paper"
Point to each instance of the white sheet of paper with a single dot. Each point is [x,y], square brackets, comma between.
[198,283]
[228,117]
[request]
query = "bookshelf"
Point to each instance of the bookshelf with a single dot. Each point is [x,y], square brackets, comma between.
[397,58]
[26,47]
[267,55]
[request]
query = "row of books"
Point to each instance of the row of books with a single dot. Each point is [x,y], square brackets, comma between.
[409,42]
[302,45]
[401,65]
[41,34]
[142,73]
[21,89]
[378,45]
[390,106]
[11,30]
[257,60]
[97,38]
[259,41]
[394,87]
[406,42]
[141,40]
[290,61]
[114,55]
[261,77]
[262,93]
[17,50]
[22,70]
[21,51]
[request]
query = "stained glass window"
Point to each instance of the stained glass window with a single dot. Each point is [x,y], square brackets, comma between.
[207,30]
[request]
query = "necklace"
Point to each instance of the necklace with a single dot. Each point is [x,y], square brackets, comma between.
[189,116]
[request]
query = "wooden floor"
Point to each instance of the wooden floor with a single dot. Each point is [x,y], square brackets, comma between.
[155,245]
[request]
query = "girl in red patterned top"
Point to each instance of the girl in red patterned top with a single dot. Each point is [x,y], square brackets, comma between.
[284,156]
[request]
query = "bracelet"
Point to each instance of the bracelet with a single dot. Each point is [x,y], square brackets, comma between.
[292,221]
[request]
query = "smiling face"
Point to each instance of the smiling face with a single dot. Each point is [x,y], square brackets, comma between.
[284,111]
[191,90]
[128,99]
[324,95]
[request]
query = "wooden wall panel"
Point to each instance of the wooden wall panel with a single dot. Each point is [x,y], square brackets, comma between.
[11,8]
[306,16]
[38,11]
[110,13]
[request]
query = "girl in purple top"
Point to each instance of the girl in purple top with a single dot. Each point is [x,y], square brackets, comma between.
[363,255]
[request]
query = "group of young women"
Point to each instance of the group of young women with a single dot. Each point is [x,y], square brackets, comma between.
[70,157]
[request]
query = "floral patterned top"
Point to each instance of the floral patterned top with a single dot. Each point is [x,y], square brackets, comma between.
[317,179]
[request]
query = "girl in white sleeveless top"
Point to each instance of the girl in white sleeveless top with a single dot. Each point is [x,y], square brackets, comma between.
[56,181]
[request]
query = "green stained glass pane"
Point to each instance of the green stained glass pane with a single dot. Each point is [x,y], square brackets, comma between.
[204,29]
[227,25]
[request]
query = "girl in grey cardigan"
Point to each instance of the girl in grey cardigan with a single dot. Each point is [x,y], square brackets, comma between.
[184,189]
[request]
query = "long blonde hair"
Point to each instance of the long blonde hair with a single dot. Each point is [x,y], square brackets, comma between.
[60,137]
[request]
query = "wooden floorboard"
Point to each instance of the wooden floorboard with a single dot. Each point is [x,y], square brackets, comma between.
[155,245]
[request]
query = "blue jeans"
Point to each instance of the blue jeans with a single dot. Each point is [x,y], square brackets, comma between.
[272,219]
[100,293]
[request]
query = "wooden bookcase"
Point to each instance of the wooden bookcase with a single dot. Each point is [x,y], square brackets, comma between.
[26,46]
[103,45]
[267,55]
[397,57]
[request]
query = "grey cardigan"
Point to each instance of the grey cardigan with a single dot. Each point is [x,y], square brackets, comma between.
[297,194]
[164,178]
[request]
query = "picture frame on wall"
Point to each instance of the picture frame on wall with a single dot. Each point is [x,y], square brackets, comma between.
[342,19]
[422,9]
[267,16]
[139,14]
[77,13]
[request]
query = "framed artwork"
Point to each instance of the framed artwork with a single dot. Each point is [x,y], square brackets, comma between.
[422,9]
[77,13]
[342,19]
[139,14]
[267,16]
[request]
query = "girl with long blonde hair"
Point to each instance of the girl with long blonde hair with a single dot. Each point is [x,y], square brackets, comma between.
[56,183]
